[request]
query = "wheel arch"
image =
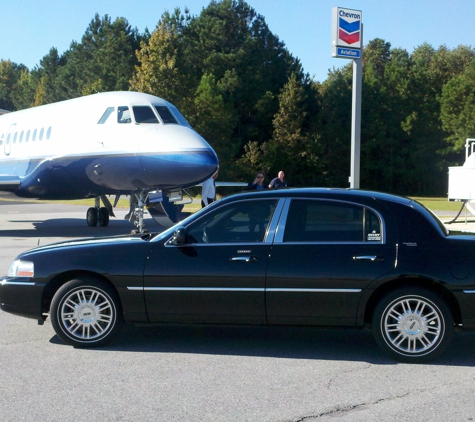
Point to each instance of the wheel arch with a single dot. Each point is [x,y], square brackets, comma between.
[445,294]
[59,280]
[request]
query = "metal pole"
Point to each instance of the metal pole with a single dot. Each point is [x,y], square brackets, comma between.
[356,119]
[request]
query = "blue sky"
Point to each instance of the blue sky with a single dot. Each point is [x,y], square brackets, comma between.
[30,28]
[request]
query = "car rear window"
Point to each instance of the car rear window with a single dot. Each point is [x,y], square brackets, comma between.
[331,221]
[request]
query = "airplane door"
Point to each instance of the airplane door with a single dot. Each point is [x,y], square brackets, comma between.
[7,145]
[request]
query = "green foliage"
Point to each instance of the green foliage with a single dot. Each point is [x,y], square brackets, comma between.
[214,119]
[103,61]
[10,75]
[458,107]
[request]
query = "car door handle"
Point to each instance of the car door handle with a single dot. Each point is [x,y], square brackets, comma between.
[372,258]
[250,258]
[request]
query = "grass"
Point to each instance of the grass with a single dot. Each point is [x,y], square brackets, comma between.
[438,204]
[435,204]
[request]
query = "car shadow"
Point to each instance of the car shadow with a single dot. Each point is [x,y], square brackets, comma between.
[341,344]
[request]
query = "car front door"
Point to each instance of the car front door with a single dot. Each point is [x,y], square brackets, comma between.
[327,253]
[218,275]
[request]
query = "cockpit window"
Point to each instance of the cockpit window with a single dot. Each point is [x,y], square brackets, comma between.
[144,114]
[106,115]
[165,114]
[123,115]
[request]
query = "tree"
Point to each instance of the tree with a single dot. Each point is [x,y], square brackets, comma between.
[458,107]
[292,148]
[214,119]
[104,60]
[334,126]
[230,41]
[10,74]
[157,72]
[44,79]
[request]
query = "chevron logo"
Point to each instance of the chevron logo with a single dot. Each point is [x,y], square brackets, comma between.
[349,32]
[349,38]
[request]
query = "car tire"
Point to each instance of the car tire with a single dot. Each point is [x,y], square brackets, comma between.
[86,313]
[413,325]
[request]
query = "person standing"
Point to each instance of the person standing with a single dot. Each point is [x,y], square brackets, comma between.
[279,181]
[208,191]
[258,182]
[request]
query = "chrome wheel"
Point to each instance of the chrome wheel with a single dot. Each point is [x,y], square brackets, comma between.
[86,313]
[412,324]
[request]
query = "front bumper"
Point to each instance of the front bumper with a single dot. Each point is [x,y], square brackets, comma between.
[21,296]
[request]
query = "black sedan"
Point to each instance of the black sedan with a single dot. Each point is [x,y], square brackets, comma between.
[315,257]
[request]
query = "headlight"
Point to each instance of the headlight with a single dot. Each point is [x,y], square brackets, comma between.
[19,268]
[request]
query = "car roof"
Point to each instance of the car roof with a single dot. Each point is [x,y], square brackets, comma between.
[335,193]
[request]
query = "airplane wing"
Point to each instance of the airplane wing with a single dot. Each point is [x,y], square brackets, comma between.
[218,184]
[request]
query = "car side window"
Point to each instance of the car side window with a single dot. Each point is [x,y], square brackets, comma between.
[331,221]
[240,222]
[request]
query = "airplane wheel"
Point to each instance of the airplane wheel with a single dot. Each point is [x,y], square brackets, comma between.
[103,219]
[92,217]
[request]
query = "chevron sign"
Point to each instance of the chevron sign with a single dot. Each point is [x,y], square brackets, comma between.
[349,32]
[346,32]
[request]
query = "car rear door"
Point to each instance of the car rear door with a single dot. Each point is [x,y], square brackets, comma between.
[325,254]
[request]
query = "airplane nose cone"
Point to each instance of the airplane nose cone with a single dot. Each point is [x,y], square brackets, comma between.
[173,156]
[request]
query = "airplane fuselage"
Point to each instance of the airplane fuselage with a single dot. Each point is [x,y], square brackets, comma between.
[102,144]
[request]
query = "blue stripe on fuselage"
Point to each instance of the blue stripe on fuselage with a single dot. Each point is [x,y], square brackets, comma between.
[82,176]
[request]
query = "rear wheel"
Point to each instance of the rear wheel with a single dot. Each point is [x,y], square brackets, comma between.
[86,313]
[413,325]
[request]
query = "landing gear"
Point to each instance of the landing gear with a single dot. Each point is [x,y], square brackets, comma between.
[92,217]
[97,215]
[141,199]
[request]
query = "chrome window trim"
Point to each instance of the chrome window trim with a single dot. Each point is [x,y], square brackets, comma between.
[268,237]
[305,290]
[244,289]
[469,291]
[279,237]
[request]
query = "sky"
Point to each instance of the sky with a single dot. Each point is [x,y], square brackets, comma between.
[30,28]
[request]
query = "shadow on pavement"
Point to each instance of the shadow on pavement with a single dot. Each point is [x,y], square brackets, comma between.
[278,342]
[74,227]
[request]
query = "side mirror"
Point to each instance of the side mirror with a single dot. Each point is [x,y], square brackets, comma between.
[179,237]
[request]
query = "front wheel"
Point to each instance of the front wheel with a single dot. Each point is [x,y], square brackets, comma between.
[413,325]
[86,313]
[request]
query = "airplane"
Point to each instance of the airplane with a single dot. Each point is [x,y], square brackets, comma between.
[111,143]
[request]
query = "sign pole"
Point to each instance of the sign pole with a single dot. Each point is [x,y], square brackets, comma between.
[356,119]
[347,43]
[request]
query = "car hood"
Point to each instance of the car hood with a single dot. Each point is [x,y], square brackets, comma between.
[90,242]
